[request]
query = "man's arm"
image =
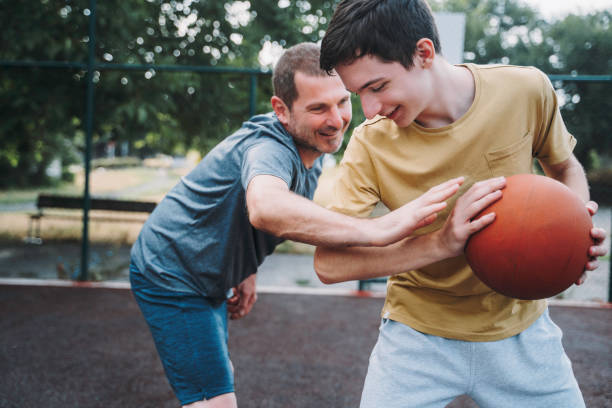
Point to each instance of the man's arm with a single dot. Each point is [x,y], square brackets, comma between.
[571,173]
[275,209]
[342,264]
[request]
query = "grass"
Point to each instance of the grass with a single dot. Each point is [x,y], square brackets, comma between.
[141,183]
[292,247]
[145,183]
[10,197]
[15,228]
[137,183]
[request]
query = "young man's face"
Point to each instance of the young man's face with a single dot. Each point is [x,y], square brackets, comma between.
[320,115]
[387,88]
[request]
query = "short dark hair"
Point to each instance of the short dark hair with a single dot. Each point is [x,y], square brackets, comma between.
[302,57]
[388,29]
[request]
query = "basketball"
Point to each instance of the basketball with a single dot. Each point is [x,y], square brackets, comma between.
[538,244]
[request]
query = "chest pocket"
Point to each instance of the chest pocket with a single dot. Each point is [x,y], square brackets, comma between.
[516,158]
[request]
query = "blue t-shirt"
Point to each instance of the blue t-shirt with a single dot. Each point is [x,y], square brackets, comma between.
[199,238]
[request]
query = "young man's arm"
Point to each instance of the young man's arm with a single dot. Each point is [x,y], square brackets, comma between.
[342,264]
[571,173]
[275,209]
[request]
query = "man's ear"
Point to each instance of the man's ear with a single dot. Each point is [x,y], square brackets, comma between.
[281,110]
[425,53]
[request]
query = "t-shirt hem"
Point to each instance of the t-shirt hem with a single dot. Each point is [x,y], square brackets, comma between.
[561,158]
[464,336]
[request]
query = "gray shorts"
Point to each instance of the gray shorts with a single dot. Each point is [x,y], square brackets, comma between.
[411,369]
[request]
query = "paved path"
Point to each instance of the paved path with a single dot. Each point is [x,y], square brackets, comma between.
[110,263]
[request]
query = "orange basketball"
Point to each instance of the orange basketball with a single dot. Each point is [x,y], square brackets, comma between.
[538,244]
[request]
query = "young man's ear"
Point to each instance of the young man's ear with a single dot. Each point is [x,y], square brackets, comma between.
[425,53]
[281,110]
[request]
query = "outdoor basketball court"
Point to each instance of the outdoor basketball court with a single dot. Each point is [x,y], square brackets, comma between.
[90,347]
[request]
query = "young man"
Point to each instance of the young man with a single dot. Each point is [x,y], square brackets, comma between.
[216,226]
[443,332]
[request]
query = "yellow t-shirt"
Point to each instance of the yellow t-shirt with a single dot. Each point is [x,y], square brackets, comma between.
[514,117]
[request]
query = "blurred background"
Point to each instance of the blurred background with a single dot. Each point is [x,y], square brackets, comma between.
[122,108]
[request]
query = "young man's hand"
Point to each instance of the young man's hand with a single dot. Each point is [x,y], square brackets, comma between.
[598,249]
[461,223]
[241,303]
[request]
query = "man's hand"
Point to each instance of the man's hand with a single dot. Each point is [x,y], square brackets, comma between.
[598,249]
[416,214]
[273,208]
[243,299]
[461,222]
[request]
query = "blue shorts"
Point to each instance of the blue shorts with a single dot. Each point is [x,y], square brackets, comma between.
[412,369]
[190,334]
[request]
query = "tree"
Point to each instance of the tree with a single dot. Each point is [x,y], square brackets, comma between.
[510,32]
[583,46]
[42,109]
[34,126]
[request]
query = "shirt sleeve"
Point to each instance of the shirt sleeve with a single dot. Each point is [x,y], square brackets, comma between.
[552,141]
[267,158]
[356,191]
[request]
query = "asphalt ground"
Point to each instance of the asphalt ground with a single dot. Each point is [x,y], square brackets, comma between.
[90,347]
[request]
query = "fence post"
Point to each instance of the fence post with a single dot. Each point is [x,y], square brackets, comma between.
[89,102]
[253,96]
[610,265]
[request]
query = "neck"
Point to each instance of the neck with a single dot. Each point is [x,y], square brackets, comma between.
[452,96]
[308,155]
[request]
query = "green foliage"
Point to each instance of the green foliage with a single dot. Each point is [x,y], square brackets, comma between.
[116,162]
[600,182]
[584,46]
[510,32]
[43,109]
[43,115]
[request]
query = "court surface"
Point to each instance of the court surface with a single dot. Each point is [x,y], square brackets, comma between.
[90,347]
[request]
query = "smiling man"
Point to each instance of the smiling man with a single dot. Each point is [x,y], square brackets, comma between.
[195,259]
[443,332]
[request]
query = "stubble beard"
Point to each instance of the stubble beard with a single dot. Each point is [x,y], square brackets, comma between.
[302,140]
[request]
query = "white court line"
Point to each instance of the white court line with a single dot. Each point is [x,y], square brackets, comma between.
[296,290]
[287,290]
[580,303]
[64,283]
[126,285]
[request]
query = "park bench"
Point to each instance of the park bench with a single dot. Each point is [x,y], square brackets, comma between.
[66,207]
